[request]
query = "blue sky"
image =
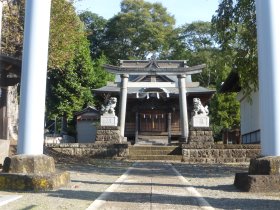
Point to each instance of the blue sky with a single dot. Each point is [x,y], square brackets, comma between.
[184,11]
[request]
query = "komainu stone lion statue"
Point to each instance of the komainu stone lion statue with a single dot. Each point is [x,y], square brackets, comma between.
[198,108]
[109,108]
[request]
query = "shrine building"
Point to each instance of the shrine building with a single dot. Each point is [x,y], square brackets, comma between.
[155,97]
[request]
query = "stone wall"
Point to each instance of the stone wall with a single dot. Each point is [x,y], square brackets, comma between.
[101,150]
[220,153]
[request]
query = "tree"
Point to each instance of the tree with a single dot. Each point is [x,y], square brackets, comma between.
[95,29]
[141,28]
[196,43]
[12,28]
[225,112]
[70,72]
[71,75]
[235,27]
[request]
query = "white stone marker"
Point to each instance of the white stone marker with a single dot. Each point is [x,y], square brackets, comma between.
[33,77]
[268,28]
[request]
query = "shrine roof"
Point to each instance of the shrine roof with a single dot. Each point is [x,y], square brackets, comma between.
[154,67]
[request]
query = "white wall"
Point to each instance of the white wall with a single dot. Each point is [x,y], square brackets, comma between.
[249,113]
[86,131]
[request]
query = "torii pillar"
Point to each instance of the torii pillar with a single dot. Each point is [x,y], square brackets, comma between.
[268,22]
[184,124]
[264,172]
[30,166]
[33,77]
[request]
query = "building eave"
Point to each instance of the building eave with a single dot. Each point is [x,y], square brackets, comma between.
[231,84]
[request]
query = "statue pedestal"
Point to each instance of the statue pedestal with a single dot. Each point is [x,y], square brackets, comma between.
[109,134]
[200,121]
[109,120]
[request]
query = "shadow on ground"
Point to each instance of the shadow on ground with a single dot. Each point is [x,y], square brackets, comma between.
[224,203]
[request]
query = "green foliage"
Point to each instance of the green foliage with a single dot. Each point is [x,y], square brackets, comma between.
[101,75]
[70,76]
[95,29]
[235,27]
[225,112]
[197,43]
[141,28]
[65,30]
[12,28]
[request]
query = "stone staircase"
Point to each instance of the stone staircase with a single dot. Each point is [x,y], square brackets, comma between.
[153,152]
[152,140]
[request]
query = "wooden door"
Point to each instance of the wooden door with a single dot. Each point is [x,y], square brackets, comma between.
[152,121]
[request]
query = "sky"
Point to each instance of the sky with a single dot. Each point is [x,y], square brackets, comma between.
[184,11]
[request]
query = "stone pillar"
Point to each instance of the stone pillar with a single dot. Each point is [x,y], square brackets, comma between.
[183,107]
[123,97]
[268,21]
[33,77]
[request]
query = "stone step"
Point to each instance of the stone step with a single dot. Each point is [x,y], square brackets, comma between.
[156,157]
[155,152]
[141,147]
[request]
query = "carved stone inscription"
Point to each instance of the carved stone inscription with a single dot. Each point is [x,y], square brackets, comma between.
[109,120]
[200,121]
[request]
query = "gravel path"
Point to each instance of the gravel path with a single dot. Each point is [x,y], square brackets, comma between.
[89,179]
[215,184]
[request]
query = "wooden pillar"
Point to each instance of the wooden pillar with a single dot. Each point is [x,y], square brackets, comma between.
[169,127]
[136,126]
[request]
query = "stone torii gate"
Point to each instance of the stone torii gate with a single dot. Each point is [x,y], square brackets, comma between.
[124,70]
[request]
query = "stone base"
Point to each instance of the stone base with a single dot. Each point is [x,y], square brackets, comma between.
[29,164]
[200,135]
[109,134]
[31,172]
[263,176]
[26,182]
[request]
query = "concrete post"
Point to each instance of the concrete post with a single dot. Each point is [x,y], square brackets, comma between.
[124,81]
[268,31]
[183,107]
[33,77]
